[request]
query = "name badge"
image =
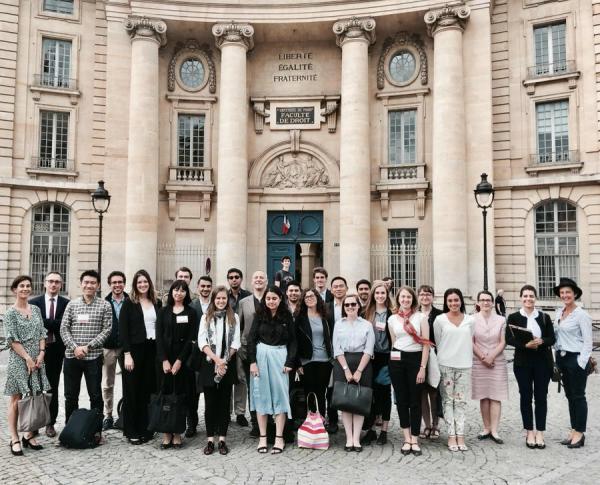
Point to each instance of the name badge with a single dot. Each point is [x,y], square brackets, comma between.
[85,318]
[182,319]
[380,326]
[395,355]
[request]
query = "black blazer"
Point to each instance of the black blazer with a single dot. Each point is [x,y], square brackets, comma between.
[114,339]
[304,337]
[132,330]
[52,325]
[523,355]
[167,334]
[432,316]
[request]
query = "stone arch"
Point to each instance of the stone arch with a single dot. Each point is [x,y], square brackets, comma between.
[306,168]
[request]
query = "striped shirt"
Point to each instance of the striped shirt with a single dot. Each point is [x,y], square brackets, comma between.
[86,324]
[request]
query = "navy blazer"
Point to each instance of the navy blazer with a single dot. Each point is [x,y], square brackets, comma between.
[52,325]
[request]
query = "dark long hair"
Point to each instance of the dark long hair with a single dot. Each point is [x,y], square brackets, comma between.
[454,291]
[321,308]
[179,284]
[135,295]
[282,314]
[210,312]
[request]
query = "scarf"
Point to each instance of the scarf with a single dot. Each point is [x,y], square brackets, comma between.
[410,330]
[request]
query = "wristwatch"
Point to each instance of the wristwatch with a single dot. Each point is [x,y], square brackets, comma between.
[345,368]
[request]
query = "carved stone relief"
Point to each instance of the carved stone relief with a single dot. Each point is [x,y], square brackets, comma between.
[296,171]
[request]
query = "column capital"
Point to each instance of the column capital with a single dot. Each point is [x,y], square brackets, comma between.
[234,32]
[354,28]
[143,27]
[449,17]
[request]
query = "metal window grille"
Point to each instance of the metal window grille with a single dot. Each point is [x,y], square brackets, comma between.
[56,63]
[552,131]
[49,243]
[556,245]
[59,6]
[54,139]
[550,49]
[190,148]
[173,256]
[402,137]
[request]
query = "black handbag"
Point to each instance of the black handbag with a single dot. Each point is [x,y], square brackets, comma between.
[166,412]
[352,398]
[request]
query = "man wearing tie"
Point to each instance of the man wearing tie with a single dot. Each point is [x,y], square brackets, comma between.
[52,306]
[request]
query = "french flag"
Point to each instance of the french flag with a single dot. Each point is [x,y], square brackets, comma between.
[285,228]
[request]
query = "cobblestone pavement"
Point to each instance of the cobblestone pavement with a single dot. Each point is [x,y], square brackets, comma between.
[485,462]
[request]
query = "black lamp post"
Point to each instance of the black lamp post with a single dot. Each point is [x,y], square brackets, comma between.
[484,196]
[101,202]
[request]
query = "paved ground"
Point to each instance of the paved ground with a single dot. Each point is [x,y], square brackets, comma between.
[486,462]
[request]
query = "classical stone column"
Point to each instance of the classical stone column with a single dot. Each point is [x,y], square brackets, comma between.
[354,37]
[449,177]
[234,40]
[147,36]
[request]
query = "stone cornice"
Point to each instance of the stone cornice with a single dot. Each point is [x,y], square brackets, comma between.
[144,27]
[234,32]
[354,28]
[449,17]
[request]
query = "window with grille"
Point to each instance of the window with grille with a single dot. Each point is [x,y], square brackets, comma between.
[552,130]
[402,136]
[54,139]
[403,257]
[556,245]
[49,243]
[190,148]
[56,63]
[550,49]
[59,6]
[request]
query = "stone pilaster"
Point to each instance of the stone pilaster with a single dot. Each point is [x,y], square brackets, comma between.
[234,40]
[449,177]
[354,37]
[147,36]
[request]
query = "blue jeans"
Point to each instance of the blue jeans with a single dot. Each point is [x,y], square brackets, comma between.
[73,369]
[574,379]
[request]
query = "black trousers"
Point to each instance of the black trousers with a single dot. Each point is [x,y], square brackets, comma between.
[55,354]
[533,384]
[138,386]
[315,379]
[91,370]
[217,403]
[403,374]
[382,394]
[192,414]
[574,379]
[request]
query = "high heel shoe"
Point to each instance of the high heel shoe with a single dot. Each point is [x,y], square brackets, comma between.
[262,449]
[579,444]
[27,444]
[12,450]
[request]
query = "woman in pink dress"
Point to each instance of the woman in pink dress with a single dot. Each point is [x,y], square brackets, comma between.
[489,375]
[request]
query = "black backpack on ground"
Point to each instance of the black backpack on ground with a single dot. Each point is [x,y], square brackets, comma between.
[80,431]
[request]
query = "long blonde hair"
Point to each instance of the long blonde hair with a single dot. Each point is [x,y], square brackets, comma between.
[212,309]
[369,312]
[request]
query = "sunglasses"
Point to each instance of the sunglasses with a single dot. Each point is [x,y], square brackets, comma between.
[350,305]
[234,277]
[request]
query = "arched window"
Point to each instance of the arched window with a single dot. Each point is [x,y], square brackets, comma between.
[556,245]
[49,243]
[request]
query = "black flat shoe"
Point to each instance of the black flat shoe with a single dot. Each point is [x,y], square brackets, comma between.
[484,436]
[358,449]
[417,451]
[368,438]
[27,444]
[12,450]
[566,441]
[348,448]
[404,450]
[382,439]
[497,439]
[166,446]
[579,444]
[530,445]
[223,449]
[209,449]
[540,446]
[177,446]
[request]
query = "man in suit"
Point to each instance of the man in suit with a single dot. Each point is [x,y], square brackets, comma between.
[200,305]
[52,307]
[320,283]
[247,308]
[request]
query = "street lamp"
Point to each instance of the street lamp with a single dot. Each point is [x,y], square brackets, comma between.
[484,196]
[101,202]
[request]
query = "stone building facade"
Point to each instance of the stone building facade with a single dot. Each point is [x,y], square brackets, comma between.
[344,133]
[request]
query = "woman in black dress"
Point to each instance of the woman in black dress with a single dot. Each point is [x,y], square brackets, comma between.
[137,330]
[176,328]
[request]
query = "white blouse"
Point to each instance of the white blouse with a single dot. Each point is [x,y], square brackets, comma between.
[150,322]
[454,343]
[217,334]
[404,341]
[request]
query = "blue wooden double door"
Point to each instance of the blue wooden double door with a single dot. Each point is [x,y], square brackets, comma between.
[285,239]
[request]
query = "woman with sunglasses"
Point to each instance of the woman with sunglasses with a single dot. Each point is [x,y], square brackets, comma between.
[454,343]
[409,331]
[353,348]
[176,329]
[489,377]
[313,334]
[531,333]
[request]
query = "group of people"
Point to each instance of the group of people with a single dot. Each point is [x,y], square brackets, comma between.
[255,344]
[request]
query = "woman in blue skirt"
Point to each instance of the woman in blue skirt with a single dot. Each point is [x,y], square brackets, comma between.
[272,353]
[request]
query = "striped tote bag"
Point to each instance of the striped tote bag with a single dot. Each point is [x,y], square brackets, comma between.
[312,433]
